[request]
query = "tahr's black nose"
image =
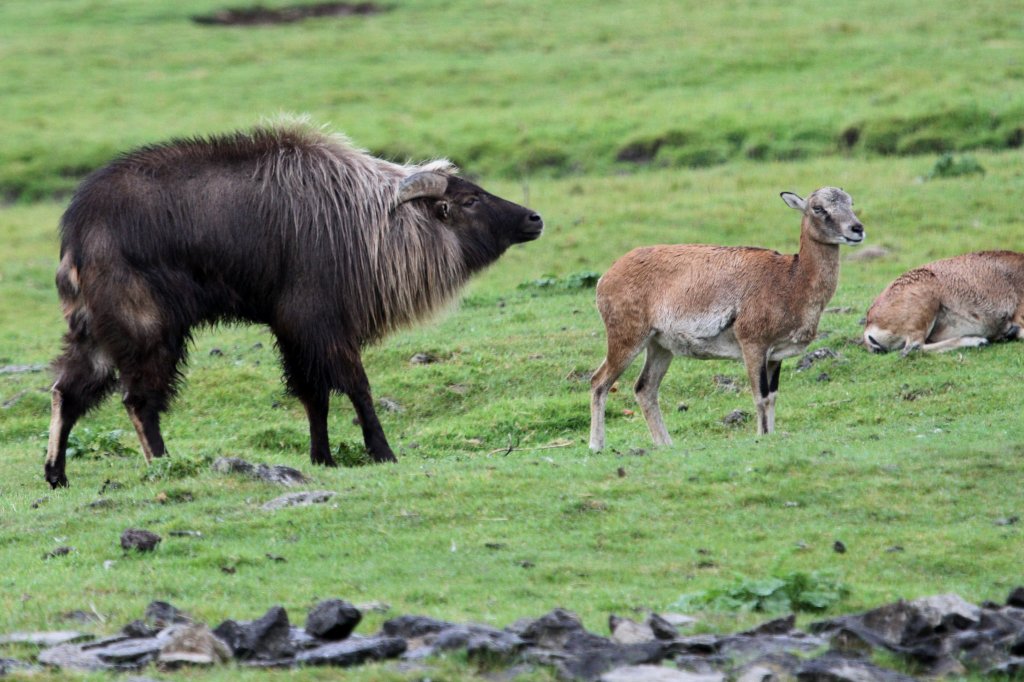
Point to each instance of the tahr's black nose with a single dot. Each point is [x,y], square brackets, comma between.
[857,228]
[535,218]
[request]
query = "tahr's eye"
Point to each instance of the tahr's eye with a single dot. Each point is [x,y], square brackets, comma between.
[820,211]
[469,202]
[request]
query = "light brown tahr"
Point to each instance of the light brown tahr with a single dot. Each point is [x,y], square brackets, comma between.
[703,301]
[957,302]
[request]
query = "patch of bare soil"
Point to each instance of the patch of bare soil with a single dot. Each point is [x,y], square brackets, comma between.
[257,15]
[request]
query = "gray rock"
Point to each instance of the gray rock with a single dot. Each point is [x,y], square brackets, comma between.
[302,499]
[771,668]
[735,418]
[277,474]
[160,614]
[266,638]
[662,627]
[678,620]
[832,668]
[552,630]
[11,665]
[71,657]
[657,673]
[301,640]
[411,627]
[21,369]
[353,651]
[332,619]
[1016,598]
[53,638]
[139,539]
[133,653]
[193,644]
[814,356]
[628,631]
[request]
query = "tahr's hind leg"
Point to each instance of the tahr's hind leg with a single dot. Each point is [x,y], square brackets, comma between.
[647,385]
[149,378]
[85,376]
[357,386]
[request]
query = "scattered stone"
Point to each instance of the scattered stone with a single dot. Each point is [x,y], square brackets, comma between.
[10,665]
[193,645]
[333,619]
[423,359]
[386,404]
[160,614]
[353,651]
[81,616]
[267,638]
[71,657]
[278,474]
[682,407]
[58,551]
[735,418]
[725,383]
[823,378]
[839,310]
[839,547]
[628,631]
[814,356]
[139,539]
[1007,520]
[39,502]
[657,673]
[303,499]
[414,627]
[678,620]
[186,533]
[49,639]
[21,369]
[938,636]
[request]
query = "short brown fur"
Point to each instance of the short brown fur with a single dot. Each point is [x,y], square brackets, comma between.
[960,302]
[703,301]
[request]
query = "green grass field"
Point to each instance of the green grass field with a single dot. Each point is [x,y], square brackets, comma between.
[623,124]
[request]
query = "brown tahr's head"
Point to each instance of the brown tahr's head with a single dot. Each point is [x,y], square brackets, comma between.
[828,215]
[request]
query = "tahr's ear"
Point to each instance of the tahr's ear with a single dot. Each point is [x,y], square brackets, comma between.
[442,209]
[793,200]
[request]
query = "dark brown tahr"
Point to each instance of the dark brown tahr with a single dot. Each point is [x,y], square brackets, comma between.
[284,225]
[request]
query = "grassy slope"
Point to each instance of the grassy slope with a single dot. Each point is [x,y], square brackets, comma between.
[491,84]
[920,452]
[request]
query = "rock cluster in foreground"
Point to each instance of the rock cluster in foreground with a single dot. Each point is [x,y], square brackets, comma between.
[934,636]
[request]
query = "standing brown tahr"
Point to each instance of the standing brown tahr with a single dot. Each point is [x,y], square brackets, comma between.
[704,301]
[285,226]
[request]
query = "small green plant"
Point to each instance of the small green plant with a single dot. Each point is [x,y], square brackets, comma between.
[949,166]
[174,467]
[792,592]
[88,444]
[352,455]
[576,280]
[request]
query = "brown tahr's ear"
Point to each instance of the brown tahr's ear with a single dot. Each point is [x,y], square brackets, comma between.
[793,200]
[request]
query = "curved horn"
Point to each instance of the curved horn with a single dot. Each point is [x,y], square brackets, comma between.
[422,184]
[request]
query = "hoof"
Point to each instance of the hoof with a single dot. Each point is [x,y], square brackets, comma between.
[56,479]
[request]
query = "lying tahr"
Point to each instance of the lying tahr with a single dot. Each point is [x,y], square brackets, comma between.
[959,302]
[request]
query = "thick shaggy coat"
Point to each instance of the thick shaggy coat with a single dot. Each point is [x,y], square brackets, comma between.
[957,302]
[284,225]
